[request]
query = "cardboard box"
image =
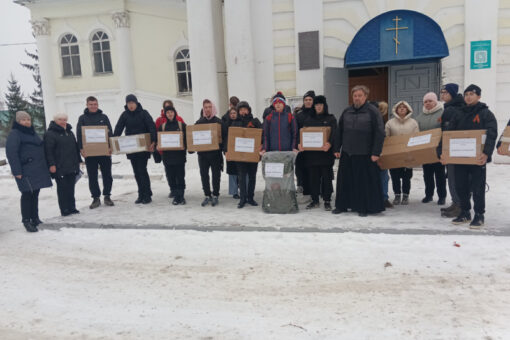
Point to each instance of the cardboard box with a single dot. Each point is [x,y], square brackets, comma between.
[130,144]
[95,140]
[505,141]
[410,150]
[203,137]
[170,140]
[244,144]
[313,138]
[463,147]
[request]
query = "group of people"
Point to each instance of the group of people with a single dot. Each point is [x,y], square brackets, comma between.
[356,138]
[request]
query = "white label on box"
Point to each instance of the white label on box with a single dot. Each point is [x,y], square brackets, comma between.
[419,140]
[313,140]
[170,140]
[128,143]
[202,137]
[463,147]
[484,138]
[95,136]
[245,144]
[274,170]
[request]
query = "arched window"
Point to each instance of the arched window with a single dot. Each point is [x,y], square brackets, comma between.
[183,69]
[101,52]
[70,53]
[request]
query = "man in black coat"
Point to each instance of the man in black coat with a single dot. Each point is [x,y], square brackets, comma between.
[301,170]
[453,104]
[136,120]
[93,116]
[211,159]
[471,178]
[245,119]
[360,138]
[319,164]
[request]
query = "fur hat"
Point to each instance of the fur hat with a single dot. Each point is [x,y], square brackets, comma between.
[242,104]
[319,100]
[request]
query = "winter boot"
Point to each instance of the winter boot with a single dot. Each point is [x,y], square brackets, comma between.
[139,200]
[477,222]
[206,201]
[36,221]
[183,200]
[387,204]
[176,200]
[464,217]
[396,201]
[242,203]
[327,205]
[453,212]
[405,199]
[108,201]
[448,208]
[313,205]
[214,201]
[29,226]
[147,200]
[441,201]
[96,202]
[252,202]
[426,199]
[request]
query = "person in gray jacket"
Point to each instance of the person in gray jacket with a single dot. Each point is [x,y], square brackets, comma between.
[25,153]
[428,120]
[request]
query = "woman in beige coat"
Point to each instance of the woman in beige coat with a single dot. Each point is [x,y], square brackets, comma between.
[401,124]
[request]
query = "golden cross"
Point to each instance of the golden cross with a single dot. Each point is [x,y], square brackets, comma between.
[396,28]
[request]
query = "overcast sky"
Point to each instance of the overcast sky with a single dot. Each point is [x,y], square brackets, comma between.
[14,29]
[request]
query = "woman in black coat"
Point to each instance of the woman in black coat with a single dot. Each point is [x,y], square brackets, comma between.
[25,153]
[63,157]
[136,120]
[175,160]
[319,164]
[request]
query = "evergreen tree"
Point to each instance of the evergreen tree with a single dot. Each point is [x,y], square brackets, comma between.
[36,105]
[15,102]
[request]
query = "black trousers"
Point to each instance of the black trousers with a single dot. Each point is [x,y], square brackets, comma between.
[143,181]
[471,178]
[320,181]
[403,175]
[438,171]
[175,174]
[105,164]
[30,205]
[302,174]
[245,169]
[65,192]
[206,163]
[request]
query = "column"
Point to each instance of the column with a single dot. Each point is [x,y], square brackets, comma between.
[207,53]
[41,30]
[125,65]
[239,52]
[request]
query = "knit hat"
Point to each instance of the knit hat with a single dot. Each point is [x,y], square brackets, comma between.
[310,93]
[170,108]
[430,96]
[319,100]
[452,89]
[279,97]
[473,88]
[131,98]
[242,104]
[22,115]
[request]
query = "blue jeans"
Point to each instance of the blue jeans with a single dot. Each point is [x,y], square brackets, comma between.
[384,183]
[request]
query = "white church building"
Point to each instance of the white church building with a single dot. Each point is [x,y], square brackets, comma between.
[189,50]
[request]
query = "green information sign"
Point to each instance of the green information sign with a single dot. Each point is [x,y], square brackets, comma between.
[480,54]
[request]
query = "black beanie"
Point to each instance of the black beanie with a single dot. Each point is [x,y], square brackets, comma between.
[310,93]
[473,88]
[131,98]
[242,104]
[170,108]
[320,100]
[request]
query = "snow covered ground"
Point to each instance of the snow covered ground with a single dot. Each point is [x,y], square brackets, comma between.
[184,284]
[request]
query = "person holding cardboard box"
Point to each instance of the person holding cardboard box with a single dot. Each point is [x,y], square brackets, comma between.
[93,116]
[246,171]
[502,150]
[453,103]
[233,179]
[431,119]
[319,164]
[25,151]
[211,159]
[471,178]
[401,124]
[360,138]
[174,158]
[135,120]
[63,156]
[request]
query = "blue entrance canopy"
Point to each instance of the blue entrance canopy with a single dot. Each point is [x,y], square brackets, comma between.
[399,36]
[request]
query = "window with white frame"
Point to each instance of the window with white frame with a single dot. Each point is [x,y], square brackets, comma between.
[101,53]
[183,70]
[70,54]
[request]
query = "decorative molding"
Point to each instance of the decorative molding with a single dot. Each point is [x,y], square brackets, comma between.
[121,19]
[40,27]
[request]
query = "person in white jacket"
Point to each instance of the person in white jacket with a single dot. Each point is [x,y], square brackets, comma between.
[401,124]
